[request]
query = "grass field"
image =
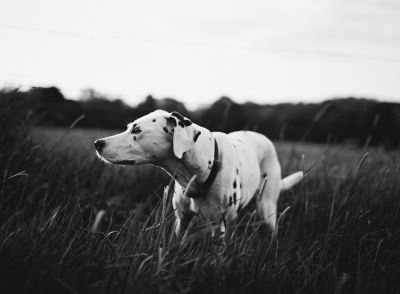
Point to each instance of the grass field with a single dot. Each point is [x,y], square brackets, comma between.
[339,232]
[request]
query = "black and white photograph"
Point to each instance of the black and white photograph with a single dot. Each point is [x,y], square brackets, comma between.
[242,146]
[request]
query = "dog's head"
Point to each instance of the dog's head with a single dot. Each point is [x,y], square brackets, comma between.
[149,139]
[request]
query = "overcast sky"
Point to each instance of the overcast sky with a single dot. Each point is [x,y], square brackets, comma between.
[197,51]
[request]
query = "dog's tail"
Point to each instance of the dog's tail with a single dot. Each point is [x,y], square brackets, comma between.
[291,180]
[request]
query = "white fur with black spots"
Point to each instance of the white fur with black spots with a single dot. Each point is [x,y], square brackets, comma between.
[220,183]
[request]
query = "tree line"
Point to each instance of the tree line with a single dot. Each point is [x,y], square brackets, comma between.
[350,120]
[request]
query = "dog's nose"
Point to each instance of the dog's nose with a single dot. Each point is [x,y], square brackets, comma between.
[99,145]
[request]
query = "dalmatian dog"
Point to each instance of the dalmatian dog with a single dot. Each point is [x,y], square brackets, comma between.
[215,173]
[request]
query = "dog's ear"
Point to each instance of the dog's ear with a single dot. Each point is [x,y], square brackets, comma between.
[182,141]
[185,134]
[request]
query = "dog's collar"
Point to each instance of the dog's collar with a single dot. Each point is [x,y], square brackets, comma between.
[203,188]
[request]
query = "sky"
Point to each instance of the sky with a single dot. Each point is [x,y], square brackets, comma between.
[197,51]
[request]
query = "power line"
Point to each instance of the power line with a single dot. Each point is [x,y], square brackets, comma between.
[336,54]
[100,36]
[88,35]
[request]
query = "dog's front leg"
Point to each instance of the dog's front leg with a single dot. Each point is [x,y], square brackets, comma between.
[183,215]
[182,221]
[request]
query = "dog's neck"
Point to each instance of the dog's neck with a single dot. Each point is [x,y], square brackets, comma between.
[195,162]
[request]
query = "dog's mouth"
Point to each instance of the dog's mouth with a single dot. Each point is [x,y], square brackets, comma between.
[125,162]
[110,161]
[102,158]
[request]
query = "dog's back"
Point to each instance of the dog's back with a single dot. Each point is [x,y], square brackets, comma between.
[257,143]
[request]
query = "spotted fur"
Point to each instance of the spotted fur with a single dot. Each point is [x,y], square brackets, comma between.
[172,142]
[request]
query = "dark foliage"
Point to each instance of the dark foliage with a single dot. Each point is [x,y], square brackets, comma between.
[360,122]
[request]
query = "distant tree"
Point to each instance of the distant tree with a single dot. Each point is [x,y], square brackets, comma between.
[46,95]
[224,115]
[168,104]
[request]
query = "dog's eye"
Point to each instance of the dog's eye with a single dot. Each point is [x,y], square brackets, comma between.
[136,130]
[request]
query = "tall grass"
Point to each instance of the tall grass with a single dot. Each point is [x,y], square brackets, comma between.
[338,231]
